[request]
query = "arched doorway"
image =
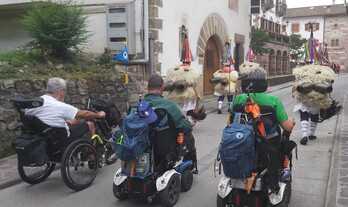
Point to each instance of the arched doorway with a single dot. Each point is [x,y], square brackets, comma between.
[285,62]
[278,69]
[272,63]
[212,58]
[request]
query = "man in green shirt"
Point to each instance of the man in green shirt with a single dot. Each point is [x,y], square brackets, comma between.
[264,99]
[256,81]
[254,85]
[156,100]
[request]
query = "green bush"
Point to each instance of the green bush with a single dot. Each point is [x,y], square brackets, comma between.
[57,28]
[258,41]
[20,58]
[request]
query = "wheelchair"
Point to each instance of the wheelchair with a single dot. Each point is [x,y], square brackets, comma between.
[161,172]
[40,148]
[232,192]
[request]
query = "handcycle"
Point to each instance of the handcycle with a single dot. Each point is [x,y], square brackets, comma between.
[40,147]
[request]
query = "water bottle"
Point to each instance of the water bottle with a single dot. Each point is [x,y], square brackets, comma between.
[142,164]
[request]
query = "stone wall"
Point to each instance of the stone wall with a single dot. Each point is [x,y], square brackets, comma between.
[110,88]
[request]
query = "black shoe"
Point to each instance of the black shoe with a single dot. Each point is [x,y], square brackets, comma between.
[312,137]
[304,141]
[219,111]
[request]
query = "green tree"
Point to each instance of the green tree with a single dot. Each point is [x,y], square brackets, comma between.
[296,46]
[258,41]
[56,28]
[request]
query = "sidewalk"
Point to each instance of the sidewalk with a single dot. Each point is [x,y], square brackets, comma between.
[337,191]
[8,172]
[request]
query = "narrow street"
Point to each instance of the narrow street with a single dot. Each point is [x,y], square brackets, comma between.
[311,171]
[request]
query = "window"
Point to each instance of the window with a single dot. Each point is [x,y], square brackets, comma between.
[335,43]
[255,6]
[233,4]
[295,27]
[284,28]
[315,27]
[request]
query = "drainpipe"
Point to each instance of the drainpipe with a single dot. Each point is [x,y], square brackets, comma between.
[145,60]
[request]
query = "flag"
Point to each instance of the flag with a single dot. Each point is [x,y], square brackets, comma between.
[250,55]
[227,58]
[186,55]
[122,56]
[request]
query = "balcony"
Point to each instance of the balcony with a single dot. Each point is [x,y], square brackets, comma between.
[278,38]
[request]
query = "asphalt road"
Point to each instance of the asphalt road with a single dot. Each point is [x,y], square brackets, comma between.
[310,173]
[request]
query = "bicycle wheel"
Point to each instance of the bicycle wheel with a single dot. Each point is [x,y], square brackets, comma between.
[35,174]
[79,165]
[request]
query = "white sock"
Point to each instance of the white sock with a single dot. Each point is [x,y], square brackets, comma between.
[305,128]
[313,126]
[220,103]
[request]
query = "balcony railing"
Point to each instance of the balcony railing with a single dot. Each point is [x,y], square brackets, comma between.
[278,38]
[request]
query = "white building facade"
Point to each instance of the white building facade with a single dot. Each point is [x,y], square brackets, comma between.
[267,16]
[300,26]
[330,23]
[209,25]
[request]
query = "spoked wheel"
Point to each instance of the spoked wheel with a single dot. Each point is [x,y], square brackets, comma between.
[79,165]
[35,174]
[170,195]
[110,155]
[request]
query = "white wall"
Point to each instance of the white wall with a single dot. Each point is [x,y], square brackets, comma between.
[96,25]
[5,2]
[193,13]
[319,34]
[12,33]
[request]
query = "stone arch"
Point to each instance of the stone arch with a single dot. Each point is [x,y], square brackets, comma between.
[272,62]
[214,25]
[285,64]
[278,63]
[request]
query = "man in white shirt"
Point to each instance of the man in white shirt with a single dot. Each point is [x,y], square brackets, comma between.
[57,114]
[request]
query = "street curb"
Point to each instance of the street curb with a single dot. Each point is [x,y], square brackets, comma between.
[18,180]
[332,173]
[10,183]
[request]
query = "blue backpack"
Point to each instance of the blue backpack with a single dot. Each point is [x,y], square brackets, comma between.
[133,138]
[237,150]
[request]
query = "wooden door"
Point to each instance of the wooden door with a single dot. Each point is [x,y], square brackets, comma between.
[211,64]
